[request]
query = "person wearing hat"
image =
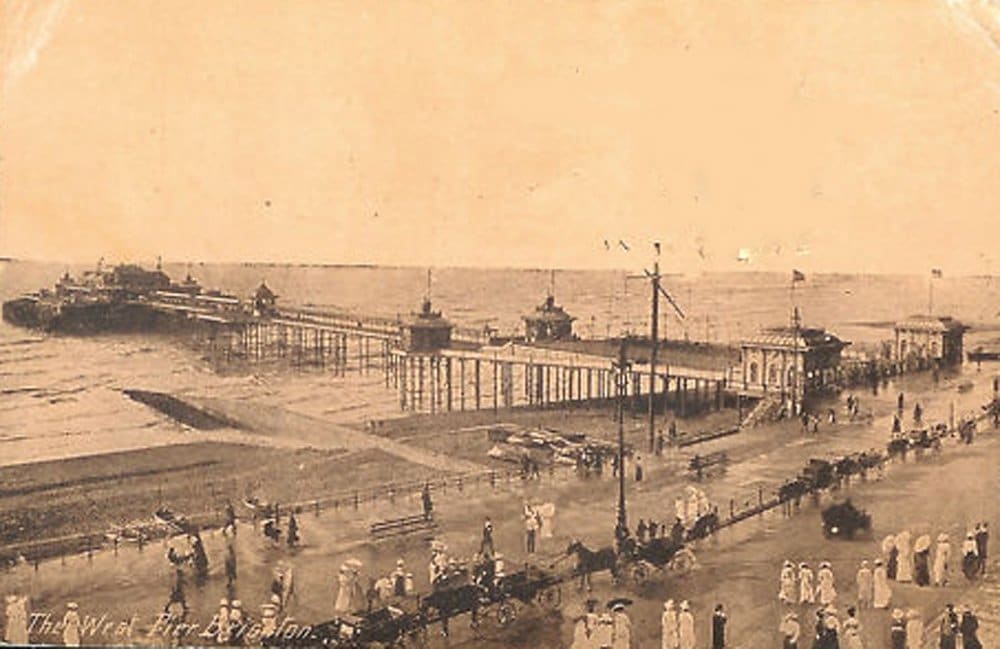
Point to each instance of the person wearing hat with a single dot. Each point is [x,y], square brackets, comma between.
[237,623]
[359,598]
[603,636]
[685,627]
[719,620]
[71,626]
[866,585]
[399,579]
[852,630]
[268,620]
[942,555]
[807,594]
[969,626]
[345,580]
[897,631]
[921,561]
[881,592]
[891,556]
[914,629]
[904,571]
[16,630]
[221,623]
[970,556]
[790,631]
[982,540]
[669,638]
[786,583]
[486,545]
[621,627]
[948,630]
[825,590]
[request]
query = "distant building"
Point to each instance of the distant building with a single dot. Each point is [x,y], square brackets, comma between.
[790,362]
[922,340]
[264,300]
[548,322]
[426,331]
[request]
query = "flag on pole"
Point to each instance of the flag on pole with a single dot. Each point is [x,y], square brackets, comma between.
[936,273]
[798,276]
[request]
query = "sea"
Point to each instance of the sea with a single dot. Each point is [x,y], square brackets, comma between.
[61,396]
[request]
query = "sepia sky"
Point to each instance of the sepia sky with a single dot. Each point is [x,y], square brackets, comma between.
[825,135]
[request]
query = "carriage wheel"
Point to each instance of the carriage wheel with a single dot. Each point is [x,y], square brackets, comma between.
[551,597]
[506,613]
[640,573]
[683,562]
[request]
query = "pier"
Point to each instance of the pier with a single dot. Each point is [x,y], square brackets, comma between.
[463,371]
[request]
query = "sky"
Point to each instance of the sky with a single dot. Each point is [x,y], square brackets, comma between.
[827,135]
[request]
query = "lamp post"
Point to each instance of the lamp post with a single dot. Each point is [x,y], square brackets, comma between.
[622,367]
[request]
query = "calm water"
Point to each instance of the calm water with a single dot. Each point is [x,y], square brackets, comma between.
[61,396]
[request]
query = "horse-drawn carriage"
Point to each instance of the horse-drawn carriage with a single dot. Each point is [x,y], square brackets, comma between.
[844,520]
[484,591]
[918,439]
[817,474]
[631,559]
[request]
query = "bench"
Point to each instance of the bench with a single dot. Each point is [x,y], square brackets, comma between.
[402,526]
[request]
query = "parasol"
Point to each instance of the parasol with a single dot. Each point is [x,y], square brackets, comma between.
[618,601]
[888,543]
[922,544]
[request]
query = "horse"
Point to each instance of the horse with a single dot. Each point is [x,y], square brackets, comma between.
[704,526]
[589,561]
[448,602]
[793,490]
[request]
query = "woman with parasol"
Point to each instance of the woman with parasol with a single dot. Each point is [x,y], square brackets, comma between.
[921,561]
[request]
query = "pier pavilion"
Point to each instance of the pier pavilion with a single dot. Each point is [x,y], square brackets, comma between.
[924,340]
[773,361]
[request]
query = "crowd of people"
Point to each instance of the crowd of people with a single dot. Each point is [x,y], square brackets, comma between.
[901,562]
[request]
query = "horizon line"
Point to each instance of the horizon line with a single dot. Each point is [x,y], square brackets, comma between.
[372,265]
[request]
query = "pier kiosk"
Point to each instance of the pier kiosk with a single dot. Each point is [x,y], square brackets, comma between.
[790,363]
[924,341]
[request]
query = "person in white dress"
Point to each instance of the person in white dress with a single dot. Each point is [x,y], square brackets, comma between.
[345,584]
[866,585]
[852,630]
[904,572]
[71,626]
[881,592]
[914,630]
[622,628]
[942,558]
[685,627]
[825,590]
[668,627]
[16,630]
[807,594]
[786,584]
